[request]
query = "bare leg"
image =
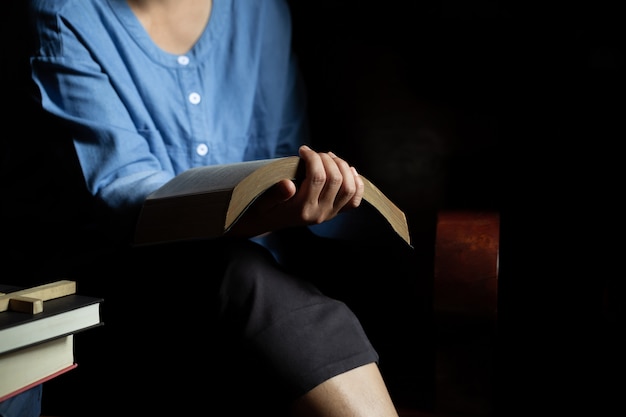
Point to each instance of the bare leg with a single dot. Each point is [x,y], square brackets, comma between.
[360,392]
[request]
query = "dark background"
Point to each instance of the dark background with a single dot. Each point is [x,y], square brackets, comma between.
[450,104]
[514,106]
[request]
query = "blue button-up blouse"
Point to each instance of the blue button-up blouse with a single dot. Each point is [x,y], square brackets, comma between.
[139,115]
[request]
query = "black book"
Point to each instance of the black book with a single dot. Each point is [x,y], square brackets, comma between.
[61,316]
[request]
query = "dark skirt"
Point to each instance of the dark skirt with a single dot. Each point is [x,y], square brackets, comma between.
[218,324]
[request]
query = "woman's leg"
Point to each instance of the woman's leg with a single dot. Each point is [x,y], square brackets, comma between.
[357,392]
[314,348]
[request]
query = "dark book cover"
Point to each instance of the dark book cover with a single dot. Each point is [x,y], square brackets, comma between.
[54,314]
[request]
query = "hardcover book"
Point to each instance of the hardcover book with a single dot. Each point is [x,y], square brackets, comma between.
[60,317]
[25,368]
[205,202]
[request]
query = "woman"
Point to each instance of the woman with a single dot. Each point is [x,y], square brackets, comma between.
[138,92]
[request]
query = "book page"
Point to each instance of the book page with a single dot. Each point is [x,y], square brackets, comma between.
[208,178]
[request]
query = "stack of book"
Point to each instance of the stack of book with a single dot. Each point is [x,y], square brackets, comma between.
[37,328]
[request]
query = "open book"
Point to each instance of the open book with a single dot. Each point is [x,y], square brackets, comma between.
[205,202]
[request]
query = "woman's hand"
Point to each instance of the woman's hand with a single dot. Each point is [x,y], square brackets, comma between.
[330,186]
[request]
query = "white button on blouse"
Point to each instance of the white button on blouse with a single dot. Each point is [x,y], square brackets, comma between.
[202,149]
[194,98]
